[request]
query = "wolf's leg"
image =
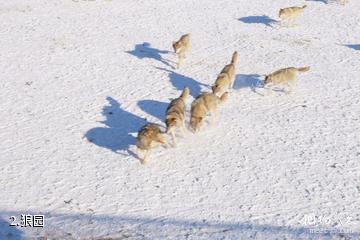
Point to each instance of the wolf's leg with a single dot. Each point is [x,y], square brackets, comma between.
[146,157]
[189,50]
[232,83]
[173,136]
[288,23]
[213,117]
[293,22]
[181,60]
[268,88]
[284,23]
[289,88]
[280,23]
[269,91]
[185,54]
[183,129]
[178,63]
[139,152]
[162,139]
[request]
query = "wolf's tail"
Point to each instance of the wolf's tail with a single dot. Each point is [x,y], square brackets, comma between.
[234,58]
[185,93]
[303,69]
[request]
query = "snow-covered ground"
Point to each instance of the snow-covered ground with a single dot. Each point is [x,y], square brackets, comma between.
[79,78]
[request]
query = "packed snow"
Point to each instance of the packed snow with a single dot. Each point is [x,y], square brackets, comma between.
[79,78]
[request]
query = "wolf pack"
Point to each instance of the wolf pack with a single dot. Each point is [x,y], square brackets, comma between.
[150,135]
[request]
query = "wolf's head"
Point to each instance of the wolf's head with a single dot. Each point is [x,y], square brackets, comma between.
[281,12]
[215,88]
[177,46]
[267,80]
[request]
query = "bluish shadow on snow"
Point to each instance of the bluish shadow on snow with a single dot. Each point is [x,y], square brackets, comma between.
[118,126]
[154,108]
[251,81]
[180,82]
[323,1]
[10,232]
[61,226]
[144,50]
[353,46]
[258,20]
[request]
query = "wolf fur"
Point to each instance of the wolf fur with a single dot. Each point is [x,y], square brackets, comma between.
[181,47]
[290,14]
[203,104]
[147,137]
[226,78]
[175,115]
[285,76]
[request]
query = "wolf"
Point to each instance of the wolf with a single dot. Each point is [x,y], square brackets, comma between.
[226,78]
[203,104]
[290,14]
[285,76]
[175,115]
[181,47]
[147,137]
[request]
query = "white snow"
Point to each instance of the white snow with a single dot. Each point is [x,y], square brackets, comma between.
[78,79]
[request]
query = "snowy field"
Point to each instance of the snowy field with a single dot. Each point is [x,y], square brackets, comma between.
[79,78]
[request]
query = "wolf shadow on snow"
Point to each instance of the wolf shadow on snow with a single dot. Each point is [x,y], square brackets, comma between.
[251,81]
[116,135]
[144,50]
[267,21]
[353,46]
[180,82]
[154,108]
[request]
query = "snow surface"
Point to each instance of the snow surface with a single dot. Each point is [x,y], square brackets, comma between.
[79,78]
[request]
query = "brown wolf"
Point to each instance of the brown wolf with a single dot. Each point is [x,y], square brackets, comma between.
[285,76]
[147,137]
[226,78]
[175,115]
[181,47]
[290,14]
[203,104]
